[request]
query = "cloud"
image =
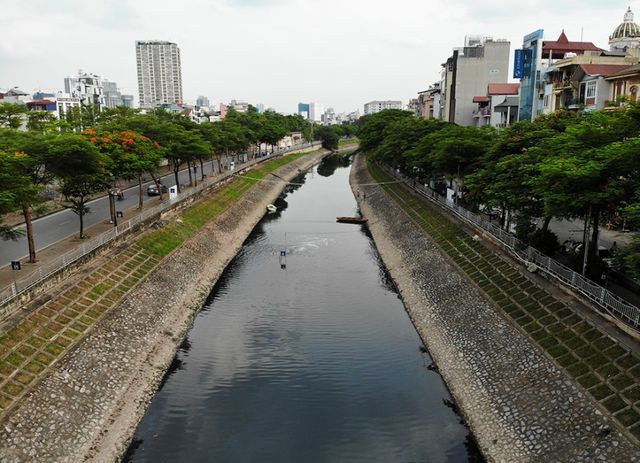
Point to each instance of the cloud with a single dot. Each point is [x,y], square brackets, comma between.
[341,53]
[251,3]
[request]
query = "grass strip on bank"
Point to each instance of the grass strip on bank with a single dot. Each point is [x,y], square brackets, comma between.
[606,369]
[351,141]
[43,337]
[165,240]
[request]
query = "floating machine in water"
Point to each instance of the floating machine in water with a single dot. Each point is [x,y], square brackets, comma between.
[271,208]
[351,220]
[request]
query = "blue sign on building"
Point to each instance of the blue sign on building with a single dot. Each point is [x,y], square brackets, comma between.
[518,64]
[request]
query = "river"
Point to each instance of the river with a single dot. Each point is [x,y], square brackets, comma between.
[305,358]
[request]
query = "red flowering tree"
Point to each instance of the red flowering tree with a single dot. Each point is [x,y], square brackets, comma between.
[131,155]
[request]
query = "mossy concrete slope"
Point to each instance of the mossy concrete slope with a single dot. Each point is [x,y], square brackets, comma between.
[535,379]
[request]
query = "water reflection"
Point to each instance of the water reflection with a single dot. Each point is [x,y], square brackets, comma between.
[317,362]
[331,163]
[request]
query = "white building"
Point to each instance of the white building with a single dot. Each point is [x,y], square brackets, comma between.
[626,35]
[498,107]
[14,95]
[468,72]
[64,103]
[240,106]
[329,117]
[373,107]
[87,87]
[159,73]
[202,101]
[315,112]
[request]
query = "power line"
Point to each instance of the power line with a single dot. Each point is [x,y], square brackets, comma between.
[300,184]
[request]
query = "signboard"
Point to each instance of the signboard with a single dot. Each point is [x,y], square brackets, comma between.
[15,265]
[173,192]
[518,64]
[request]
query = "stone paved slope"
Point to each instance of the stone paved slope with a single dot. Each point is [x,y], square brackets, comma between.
[102,346]
[518,402]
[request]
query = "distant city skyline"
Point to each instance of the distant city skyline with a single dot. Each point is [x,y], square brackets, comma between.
[390,52]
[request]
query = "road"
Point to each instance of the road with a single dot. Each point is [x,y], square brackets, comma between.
[60,225]
[566,229]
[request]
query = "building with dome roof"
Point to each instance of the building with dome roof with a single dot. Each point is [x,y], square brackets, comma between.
[626,35]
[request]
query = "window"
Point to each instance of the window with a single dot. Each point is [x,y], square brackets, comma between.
[591,89]
[587,91]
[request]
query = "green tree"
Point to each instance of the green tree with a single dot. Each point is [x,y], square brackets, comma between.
[12,115]
[41,121]
[31,163]
[372,127]
[14,186]
[586,171]
[327,134]
[82,170]
[629,256]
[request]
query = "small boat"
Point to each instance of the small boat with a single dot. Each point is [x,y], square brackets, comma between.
[271,208]
[351,220]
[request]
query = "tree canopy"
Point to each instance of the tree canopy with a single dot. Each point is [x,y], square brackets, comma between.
[563,165]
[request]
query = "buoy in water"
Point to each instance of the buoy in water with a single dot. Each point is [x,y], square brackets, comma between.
[283,259]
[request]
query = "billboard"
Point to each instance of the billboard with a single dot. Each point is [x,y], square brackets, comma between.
[518,64]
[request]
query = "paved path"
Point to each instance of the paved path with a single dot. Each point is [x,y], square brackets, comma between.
[573,228]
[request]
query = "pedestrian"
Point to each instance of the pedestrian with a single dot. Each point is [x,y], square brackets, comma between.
[614,248]
[364,196]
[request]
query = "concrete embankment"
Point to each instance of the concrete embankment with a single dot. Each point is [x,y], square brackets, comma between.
[89,405]
[518,404]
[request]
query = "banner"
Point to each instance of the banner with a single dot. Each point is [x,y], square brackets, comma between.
[518,64]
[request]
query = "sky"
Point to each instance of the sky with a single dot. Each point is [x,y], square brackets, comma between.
[339,53]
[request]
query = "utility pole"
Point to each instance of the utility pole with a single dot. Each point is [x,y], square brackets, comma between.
[585,243]
[112,207]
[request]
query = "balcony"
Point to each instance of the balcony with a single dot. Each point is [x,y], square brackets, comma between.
[563,84]
[482,112]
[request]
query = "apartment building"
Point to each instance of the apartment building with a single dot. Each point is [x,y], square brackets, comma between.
[159,73]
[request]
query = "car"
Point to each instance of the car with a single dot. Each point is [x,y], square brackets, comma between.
[152,190]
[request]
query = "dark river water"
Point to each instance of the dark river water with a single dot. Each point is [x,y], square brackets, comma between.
[315,362]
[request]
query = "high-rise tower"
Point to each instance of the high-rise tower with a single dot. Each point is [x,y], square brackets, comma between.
[159,73]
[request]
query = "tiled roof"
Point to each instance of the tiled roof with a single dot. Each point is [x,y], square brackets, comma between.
[480,99]
[603,69]
[564,45]
[42,101]
[503,89]
[630,70]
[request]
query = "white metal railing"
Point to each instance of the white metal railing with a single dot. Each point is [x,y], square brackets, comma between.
[613,303]
[10,292]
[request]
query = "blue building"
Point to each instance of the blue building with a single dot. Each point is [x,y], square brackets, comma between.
[303,109]
[534,60]
[527,66]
